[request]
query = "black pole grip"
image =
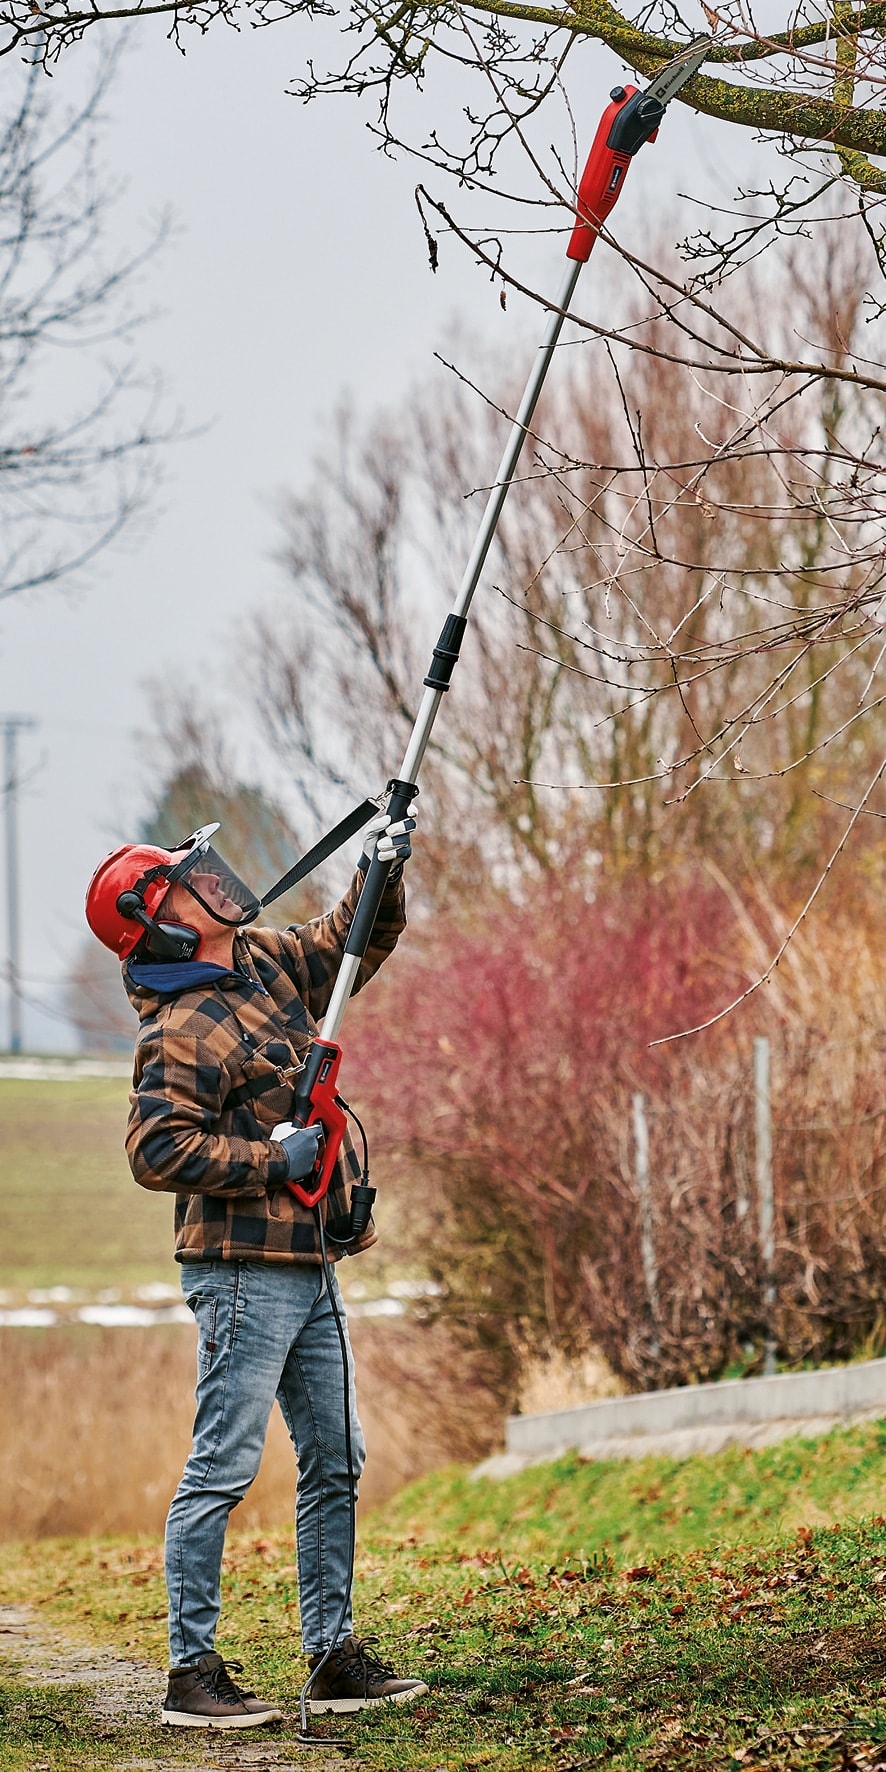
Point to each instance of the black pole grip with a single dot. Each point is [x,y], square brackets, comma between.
[402,794]
[307,1077]
[446,651]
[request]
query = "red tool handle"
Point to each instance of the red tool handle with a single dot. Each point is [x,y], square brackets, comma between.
[601,181]
[632,119]
[316,1102]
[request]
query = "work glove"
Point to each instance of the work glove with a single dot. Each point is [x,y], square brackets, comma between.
[301,1144]
[390,842]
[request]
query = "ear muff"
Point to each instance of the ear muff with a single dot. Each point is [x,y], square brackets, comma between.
[163,941]
[172,941]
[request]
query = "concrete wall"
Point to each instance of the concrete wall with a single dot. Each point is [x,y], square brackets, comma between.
[836,1391]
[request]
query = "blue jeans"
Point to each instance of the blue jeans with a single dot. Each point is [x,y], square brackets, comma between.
[264,1332]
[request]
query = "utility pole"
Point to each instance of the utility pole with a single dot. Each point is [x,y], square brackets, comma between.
[12,725]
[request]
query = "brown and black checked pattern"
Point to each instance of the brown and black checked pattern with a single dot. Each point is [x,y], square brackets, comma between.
[209,1083]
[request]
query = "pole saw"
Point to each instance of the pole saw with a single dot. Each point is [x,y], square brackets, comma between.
[631,118]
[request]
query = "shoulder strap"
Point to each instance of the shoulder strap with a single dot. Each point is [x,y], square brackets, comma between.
[347,827]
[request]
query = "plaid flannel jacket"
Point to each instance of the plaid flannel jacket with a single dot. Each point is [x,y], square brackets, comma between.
[210,1082]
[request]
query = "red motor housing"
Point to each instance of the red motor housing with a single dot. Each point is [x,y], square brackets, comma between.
[316,1103]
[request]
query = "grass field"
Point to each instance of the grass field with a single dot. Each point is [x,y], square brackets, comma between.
[632,1616]
[70,1214]
[95,1422]
[637,1510]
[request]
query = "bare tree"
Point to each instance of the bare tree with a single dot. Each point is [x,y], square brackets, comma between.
[683,630]
[75,468]
[813,87]
[95,1004]
[812,81]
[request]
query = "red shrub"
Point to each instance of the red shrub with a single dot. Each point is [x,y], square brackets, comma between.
[499,1058]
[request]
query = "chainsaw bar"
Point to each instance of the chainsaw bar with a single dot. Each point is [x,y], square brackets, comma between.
[676,73]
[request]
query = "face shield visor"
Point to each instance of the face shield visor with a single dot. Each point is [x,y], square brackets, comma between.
[212,881]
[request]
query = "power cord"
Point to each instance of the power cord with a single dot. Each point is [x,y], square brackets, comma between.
[305,1737]
[347,1231]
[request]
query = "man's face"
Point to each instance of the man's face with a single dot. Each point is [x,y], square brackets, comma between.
[208,888]
[180,905]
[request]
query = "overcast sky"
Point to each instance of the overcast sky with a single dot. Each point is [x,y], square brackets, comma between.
[297,274]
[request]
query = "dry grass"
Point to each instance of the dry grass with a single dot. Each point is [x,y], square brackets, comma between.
[95,1424]
[558,1382]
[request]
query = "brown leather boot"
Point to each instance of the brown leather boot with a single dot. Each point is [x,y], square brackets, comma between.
[205,1697]
[353,1679]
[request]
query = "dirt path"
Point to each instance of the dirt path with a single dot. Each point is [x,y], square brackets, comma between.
[130,1692]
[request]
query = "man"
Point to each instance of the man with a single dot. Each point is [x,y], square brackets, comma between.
[227,1017]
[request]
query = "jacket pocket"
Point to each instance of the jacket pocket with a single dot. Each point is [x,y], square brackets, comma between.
[263,1095]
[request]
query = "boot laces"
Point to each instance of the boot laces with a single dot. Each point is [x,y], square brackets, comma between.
[222,1687]
[369,1666]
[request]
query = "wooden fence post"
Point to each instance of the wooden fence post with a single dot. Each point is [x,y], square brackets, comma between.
[763,1125]
[644,1200]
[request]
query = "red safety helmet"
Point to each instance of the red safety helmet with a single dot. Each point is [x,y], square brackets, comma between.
[123,871]
[129,886]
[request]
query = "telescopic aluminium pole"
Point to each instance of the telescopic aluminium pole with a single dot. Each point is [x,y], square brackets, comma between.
[631,118]
[446,652]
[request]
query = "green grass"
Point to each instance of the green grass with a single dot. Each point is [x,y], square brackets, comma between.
[70,1213]
[575,1616]
[36,1725]
[653,1505]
